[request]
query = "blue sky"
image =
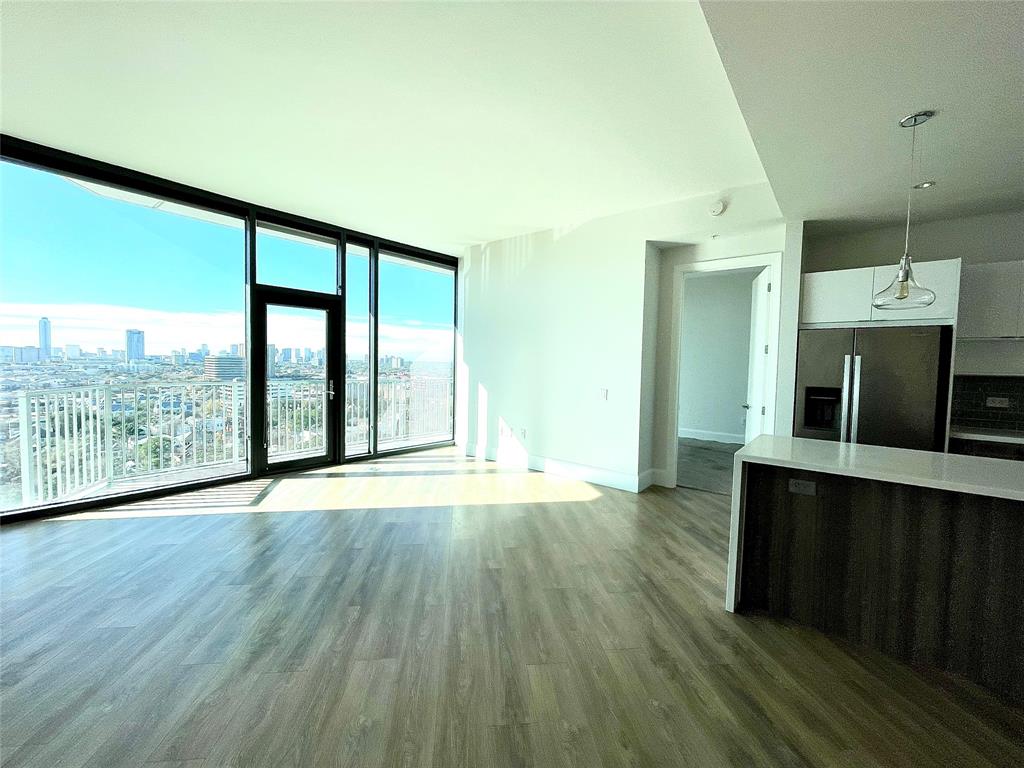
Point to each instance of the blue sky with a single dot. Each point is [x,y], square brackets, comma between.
[65,246]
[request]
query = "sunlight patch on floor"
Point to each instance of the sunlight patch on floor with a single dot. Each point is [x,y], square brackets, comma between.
[439,478]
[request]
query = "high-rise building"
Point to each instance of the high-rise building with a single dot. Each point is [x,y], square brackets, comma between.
[204,349]
[134,345]
[271,359]
[234,350]
[26,355]
[223,367]
[72,351]
[286,355]
[45,349]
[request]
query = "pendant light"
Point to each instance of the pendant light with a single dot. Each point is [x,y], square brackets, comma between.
[904,292]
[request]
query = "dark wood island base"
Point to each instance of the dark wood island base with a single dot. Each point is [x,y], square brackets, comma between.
[934,577]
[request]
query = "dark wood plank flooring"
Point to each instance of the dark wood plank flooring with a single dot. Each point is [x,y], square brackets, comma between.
[543,622]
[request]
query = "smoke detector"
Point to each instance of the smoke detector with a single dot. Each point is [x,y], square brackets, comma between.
[717,208]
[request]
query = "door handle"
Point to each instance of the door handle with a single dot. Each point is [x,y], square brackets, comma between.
[746,406]
[844,418]
[330,388]
[855,418]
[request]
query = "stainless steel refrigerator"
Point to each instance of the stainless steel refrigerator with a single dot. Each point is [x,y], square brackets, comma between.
[878,386]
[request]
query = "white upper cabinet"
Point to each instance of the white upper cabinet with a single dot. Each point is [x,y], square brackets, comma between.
[844,296]
[992,301]
[943,277]
[838,296]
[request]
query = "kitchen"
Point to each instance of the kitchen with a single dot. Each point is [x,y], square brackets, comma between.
[894,517]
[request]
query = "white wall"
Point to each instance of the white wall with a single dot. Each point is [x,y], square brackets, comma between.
[549,320]
[714,352]
[975,239]
[790,286]
[648,365]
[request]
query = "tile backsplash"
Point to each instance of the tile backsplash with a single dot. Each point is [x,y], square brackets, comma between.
[994,402]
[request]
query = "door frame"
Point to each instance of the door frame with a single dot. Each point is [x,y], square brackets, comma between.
[264,296]
[773,261]
[758,379]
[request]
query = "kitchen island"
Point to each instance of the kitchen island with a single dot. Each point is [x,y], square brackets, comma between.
[918,554]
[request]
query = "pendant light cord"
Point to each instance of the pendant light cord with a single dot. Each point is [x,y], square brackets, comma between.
[910,188]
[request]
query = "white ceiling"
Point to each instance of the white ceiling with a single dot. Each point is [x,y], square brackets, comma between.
[823,85]
[435,124]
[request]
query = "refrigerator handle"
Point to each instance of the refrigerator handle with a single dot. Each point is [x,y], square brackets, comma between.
[844,412]
[855,415]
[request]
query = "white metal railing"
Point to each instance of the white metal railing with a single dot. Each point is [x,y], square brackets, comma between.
[296,418]
[414,410]
[409,411]
[75,440]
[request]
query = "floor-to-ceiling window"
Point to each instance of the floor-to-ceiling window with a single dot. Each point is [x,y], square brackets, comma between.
[415,352]
[358,337]
[123,363]
[154,335]
[297,292]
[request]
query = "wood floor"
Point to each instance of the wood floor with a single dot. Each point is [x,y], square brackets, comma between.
[433,611]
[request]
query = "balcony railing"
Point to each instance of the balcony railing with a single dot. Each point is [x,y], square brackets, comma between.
[76,441]
[412,411]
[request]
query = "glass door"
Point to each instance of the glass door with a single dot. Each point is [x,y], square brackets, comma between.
[298,382]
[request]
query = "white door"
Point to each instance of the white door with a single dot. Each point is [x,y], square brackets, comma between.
[757,368]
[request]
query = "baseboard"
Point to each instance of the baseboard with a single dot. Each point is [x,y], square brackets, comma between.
[647,479]
[718,437]
[583,472]
[595,475]
[664,477]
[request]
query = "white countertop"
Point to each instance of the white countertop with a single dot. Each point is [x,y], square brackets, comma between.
[987,435]
[1000,478]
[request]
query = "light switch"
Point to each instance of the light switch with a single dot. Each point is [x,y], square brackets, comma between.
[603,393]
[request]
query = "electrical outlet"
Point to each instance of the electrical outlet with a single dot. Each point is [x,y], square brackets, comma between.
[997,402]
[803,487]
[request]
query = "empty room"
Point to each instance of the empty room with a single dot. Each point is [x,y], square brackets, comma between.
[511,384]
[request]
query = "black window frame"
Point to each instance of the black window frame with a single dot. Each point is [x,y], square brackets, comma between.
[45,158]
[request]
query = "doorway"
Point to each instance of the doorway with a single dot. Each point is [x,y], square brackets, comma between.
[723,372]
[297,389]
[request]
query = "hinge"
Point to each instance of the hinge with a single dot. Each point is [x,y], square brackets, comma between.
[762,410]
[766,349]
[769,287]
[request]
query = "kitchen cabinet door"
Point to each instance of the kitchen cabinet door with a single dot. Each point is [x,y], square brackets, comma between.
[841,296]
[991,303]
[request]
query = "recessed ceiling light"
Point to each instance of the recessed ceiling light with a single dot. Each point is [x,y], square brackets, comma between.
[924,185]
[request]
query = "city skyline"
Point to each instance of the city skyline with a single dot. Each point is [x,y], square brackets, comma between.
[178,278]
[88,330]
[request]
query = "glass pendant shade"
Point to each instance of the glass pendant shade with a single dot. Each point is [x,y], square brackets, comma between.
[903,292]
